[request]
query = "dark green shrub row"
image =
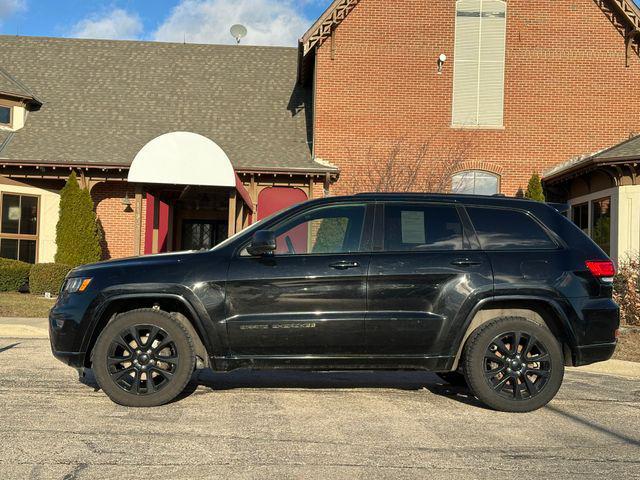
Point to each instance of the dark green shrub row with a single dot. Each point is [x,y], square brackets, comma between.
[13,274]
[47,277]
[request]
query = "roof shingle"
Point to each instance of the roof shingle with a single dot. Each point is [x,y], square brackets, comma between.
[104,100]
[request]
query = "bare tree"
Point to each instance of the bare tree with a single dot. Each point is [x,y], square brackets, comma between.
[426,168]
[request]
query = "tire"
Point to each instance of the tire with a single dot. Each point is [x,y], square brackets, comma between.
[143,358]
[508,379]
[455,379]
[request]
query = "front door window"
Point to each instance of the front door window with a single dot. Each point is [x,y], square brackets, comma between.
[202,234]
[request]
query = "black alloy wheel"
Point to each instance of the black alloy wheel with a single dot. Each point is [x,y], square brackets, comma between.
[513,364]
[143,358]
[517,365]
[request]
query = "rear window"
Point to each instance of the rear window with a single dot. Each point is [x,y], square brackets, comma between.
[500,229]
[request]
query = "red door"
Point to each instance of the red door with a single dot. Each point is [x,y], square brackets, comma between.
[274,199]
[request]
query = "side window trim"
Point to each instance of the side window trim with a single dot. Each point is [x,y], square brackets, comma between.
[469,241]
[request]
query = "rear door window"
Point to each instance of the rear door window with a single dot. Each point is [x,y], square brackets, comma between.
[411,227]
[501,229]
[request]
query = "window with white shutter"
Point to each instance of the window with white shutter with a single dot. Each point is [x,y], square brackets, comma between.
[478,83]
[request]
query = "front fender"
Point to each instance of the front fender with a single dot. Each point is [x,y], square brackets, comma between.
[113,296]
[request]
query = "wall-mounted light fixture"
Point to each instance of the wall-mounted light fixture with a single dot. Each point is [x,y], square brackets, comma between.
[441,59]
[126,203]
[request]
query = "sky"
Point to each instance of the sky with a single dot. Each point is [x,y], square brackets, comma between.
[269,22]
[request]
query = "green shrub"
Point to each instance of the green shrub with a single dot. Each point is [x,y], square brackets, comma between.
[47,277]
[13,274]
[77,232]
[534,189]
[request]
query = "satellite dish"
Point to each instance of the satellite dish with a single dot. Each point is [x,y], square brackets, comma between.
[238,32]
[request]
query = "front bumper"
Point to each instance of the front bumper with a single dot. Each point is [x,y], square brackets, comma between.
[73,359]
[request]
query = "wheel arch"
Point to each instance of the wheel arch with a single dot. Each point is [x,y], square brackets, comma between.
[175,304]
[541,310]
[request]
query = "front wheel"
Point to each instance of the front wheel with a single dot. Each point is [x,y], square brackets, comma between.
[513,364]
[143,358]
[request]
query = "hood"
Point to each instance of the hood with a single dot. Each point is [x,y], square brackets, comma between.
[142,262]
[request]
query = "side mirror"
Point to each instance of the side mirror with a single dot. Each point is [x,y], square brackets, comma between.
[262,243]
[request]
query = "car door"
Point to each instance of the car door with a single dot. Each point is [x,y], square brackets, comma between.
[526,258]
[309,297]
[425,274]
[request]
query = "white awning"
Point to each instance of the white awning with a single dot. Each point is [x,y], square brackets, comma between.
[182,158]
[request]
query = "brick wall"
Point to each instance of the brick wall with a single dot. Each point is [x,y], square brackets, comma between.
[118,225]
[567,92]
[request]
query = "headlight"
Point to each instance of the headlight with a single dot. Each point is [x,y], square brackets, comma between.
[76,284]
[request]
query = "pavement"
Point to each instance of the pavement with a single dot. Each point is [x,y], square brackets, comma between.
[286,424]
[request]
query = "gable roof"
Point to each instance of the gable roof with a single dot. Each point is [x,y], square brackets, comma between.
[626,151]
[11,87]
[103,100]
[620,11]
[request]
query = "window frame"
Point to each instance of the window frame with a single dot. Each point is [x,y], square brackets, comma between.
[366,238]
[21,236]
[497,176]
[10,107]
[478,125]
[553,237]
[468,235]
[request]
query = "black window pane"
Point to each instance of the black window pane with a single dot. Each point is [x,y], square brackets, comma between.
[422,227]
[5,115]
[29,216]
[27,251]
[9,248]
[601,225]
[10,213]
[508,230]
[580,216]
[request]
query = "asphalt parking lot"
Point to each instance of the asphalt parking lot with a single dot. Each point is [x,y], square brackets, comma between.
[307,425]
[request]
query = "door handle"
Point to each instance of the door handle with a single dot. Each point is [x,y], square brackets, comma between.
[465,262]
[344,265]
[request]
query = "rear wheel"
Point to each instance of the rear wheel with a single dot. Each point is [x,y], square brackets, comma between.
[513,364]
[143,358]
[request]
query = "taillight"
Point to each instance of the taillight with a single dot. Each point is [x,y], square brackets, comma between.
[603,269]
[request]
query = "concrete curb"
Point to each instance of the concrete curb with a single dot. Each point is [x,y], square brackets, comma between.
[24,327]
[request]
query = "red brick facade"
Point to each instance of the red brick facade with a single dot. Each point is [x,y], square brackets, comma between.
[117,223]
[567,91]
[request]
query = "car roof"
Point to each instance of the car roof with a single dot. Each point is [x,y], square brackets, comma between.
[483,200]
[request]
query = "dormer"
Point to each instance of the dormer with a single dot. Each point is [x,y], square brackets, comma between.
[16,101]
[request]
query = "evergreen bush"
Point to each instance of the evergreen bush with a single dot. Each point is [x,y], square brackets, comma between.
[534,189]
[13,274]
[47,277]
[77,233]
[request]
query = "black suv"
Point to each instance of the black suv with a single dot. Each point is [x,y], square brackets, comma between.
[498,293]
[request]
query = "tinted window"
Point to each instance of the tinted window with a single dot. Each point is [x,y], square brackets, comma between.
[499,229]
[421,227]
[333,229]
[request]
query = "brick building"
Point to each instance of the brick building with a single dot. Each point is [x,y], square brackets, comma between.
[181,145]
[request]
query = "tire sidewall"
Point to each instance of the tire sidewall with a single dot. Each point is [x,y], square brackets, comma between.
[474,364]
[183,343]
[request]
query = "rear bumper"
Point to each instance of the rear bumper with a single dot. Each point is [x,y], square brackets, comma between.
[588,354]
